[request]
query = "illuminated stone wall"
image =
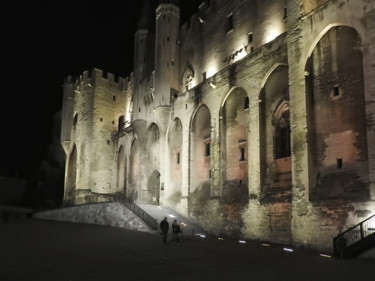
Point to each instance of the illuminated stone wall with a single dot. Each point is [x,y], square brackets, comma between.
[320,59]
[244,134]
[93,107]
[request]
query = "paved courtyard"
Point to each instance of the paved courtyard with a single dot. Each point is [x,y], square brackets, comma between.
[43,250]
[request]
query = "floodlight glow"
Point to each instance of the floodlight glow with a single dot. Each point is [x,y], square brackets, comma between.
[242,241]
[219,238]
[324,255]
[272,31]
[288,249]
[202,235]
[172,216]
[266,245]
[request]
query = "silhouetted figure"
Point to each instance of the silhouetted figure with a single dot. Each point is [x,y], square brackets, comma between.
[176,231]
[164,227]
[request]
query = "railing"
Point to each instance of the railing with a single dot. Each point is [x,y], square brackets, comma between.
[89,199]
[117,197]
[353,236]
[143,215]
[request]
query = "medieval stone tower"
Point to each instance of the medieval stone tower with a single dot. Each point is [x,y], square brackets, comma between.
[253,118]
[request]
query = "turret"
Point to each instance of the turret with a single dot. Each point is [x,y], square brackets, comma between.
[144,43]
[167,48]
[144,56]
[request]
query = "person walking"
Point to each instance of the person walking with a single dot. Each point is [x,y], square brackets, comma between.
[164,227]
[176,231]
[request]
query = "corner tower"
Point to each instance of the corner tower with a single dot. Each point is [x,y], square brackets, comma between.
[167,49]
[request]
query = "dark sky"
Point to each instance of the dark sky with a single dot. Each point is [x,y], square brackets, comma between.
[44,41]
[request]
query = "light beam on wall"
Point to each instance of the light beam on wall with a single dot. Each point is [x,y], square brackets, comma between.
[272,32]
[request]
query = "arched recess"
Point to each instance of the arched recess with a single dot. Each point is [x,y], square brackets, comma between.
[274,130]
[336,123]
[187,78]
[150,162]
[121,169]
[173,192]
[153,187]
[234,124]
[200,178]
[133,173]
[70,186]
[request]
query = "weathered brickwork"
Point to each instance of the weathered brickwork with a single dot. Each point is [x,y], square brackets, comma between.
[253,118]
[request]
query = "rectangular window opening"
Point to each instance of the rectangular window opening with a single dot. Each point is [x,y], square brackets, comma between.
[339,163]
[230,25]
[285,15]
[178,158]
[250,37]
[242,150]
[207,150]
[247,103]
[336,91]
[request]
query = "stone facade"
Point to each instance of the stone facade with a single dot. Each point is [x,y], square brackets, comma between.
[254,118]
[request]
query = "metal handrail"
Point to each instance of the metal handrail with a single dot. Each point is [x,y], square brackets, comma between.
[142,214]
[89,199]
[353,235]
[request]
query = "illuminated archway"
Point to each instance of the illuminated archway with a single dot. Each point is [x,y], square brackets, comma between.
[274,129]
[336,123]
[200,180]
[150,162]
[234,124]
[173,191]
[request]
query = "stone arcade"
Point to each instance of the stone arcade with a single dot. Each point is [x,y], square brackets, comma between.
[254,118]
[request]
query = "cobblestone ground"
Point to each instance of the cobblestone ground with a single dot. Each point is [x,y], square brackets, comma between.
[41,250]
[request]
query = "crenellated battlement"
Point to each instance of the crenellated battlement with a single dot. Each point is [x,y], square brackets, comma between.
[98,78]
[167,9]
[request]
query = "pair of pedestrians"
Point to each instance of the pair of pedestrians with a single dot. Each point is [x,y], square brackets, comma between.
[176,230]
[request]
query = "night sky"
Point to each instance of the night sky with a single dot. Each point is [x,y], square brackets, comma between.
[43,42]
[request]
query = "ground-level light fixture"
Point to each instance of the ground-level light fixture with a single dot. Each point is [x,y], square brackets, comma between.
[212,84]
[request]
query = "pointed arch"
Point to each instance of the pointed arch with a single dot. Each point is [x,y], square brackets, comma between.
[274,130]
[187,77]
[174,172]
[335,93]
[200,154]
[150,162]
[234,128]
